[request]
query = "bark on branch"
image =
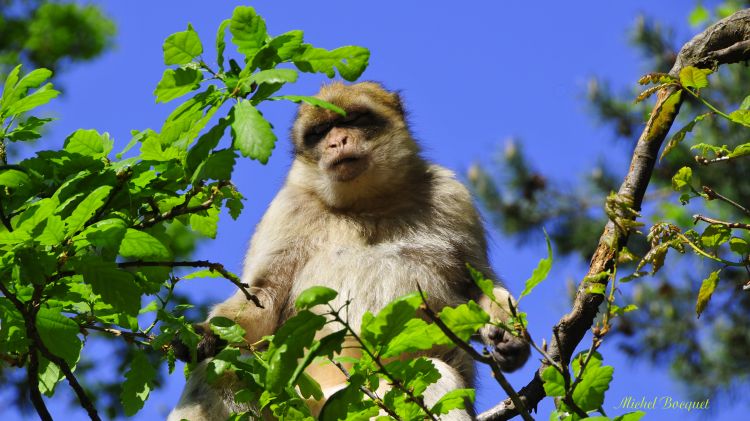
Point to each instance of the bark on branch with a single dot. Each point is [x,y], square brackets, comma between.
[727,41]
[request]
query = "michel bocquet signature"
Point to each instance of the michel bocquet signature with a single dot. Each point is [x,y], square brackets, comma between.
[660,402]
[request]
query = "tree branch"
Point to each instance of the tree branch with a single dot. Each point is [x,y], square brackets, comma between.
[183,208]
[216,267]
[29,316]
[722,43]
[739,225]
[713,194]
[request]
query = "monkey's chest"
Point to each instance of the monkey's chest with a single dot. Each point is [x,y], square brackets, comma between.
[370,276]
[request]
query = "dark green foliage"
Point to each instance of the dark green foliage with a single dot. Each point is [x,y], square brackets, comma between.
[49,35]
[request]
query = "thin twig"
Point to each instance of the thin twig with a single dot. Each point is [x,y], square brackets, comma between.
[130,336]
[739,225]
[370,394]
[4,219]
[486,359]
[183,208]
[713,194]
[393,381]
[213,266]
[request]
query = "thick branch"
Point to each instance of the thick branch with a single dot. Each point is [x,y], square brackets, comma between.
[29,316]
[722,43]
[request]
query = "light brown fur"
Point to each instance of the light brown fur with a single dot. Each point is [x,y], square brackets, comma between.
[398,221]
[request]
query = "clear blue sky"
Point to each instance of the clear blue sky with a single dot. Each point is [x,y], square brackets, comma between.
[472,75]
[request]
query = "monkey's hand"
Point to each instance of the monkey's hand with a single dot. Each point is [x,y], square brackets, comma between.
[510,351]
[209,345]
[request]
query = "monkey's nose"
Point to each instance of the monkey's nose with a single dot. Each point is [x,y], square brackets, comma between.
[338,143]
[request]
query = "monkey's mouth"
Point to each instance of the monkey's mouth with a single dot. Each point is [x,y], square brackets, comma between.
[347,167]
[345,160]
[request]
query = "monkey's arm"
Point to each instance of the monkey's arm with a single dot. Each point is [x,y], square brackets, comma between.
[270,264]
[510,351]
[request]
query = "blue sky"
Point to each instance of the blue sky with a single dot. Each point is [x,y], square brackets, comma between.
[472,75]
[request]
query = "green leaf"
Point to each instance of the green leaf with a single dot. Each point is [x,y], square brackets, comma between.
[486,285]
[715,235]
[227,330]
[182,47]
[13,178]
[455,399]
[745,105]
[207,224]
[741,117]
[707,289]
[42,96]
[8,88]
[49,375]
[87,208]
[199,152]
[680,135]
[53,233]
[116,287]
[59,334]
[274,76]
[692,77]
[220,43]
[139,380]
[151,150]
[594,361]
[682,178]
[328,346]
[89,143]
[288,346]
[739,246]
[417,335]
[176,83]
[248,30]
[313,296]
[391,320]
[740,150]
[218,166]
[15,90]
[279,49]
[465,319]
[630,416]
[203,273]
[554,383]
[252,134]
[350,61]
[698,16]
[141,245]
[540,272]
[311,101]
[589,394]
[27,130]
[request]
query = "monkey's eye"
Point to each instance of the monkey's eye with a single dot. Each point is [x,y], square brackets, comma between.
[316,133]
[359,119]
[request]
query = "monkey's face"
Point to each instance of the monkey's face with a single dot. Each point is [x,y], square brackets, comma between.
[368,140]
[349,159]
[342,146]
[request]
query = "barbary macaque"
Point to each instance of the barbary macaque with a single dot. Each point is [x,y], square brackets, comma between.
[363,213]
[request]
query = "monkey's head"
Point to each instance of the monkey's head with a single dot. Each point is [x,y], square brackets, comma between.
[347,160]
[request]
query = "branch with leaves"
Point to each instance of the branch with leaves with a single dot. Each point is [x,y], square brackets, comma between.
[706,50]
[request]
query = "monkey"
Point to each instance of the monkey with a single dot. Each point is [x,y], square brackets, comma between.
[361,212]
